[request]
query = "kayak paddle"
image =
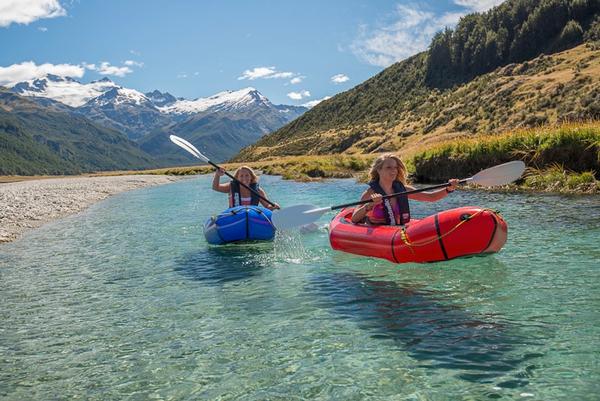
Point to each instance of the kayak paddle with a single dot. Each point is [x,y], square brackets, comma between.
[192,149]
[304,214]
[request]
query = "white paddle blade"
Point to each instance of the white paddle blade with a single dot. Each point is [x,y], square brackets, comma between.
[188,146]
[501,174]
[294,216]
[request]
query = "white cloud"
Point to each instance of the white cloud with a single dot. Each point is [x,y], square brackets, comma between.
[264,73]
[42,29]
[313,103]
[182,75]
[411,32]
[449,20]
[298,95]
[135,52]
[29,70]
[25,12]
[132,63]
[478,5]
[296,80]
[339,78]
[105,68]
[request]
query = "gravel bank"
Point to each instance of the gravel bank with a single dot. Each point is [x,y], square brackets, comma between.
[29,204]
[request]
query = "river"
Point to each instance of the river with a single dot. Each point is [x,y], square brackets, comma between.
[127,301]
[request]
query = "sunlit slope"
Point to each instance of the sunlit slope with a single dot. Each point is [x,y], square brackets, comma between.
[548,89]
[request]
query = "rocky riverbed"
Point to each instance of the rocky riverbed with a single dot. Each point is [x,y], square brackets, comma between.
[29,204]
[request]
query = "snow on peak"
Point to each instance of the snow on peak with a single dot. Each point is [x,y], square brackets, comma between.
[223,100]
[105,92]
[118,95]
[63,89]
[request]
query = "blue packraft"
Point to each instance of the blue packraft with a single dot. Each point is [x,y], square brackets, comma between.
[240,223]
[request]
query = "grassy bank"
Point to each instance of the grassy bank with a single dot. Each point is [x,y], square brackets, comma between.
[564,158]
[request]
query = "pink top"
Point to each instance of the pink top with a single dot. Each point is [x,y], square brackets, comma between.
[378,213]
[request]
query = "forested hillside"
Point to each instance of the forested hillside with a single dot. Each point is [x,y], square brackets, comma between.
[523,63]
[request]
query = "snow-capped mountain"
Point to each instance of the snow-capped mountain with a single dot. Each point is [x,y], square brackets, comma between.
[65,90]
[228,100]
[118,95]
[125,110]
[231,119]
[102,92]
[222,124]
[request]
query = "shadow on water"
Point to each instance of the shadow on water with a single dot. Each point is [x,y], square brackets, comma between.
[429,326]
[225,263]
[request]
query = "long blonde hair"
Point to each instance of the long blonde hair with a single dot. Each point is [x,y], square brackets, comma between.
[378,164]
[254,178]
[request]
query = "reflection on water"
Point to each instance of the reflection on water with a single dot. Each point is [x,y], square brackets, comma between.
[428,324]
[225,263]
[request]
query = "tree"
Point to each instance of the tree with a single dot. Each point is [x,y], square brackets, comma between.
[439,62]
[571,34]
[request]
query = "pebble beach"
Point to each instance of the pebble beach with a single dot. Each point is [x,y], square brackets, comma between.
[25,205]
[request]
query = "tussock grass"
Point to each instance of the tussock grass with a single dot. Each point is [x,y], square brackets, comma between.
[558,179]
[574,146]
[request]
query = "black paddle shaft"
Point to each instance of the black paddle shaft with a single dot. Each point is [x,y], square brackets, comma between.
[242,184]
[414,191]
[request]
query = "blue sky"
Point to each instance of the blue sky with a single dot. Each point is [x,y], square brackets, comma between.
[292,52]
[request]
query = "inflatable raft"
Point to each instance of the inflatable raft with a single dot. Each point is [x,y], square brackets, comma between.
[240,223]
[454,233]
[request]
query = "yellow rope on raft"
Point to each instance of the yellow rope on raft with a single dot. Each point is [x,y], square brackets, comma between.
[405,239]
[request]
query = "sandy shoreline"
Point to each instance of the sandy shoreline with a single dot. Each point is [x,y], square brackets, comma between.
[29,204]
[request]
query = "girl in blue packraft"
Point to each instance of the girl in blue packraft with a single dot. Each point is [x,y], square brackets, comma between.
[238,194]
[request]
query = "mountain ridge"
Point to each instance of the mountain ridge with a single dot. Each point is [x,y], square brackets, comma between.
[150,118]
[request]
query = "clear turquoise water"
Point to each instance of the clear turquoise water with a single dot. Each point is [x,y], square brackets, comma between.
[127,301]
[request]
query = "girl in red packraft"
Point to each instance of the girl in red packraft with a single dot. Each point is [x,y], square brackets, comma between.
[388,176]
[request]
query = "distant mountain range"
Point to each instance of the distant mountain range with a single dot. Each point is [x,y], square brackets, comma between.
[219,125]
